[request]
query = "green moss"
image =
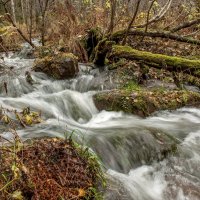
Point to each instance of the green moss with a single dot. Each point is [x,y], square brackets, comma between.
[44,51]
[143,102]
[131,86]
[69,55]
[128,52]
[122,62]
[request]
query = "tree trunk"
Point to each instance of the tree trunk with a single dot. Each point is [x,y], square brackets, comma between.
[13,11]
[131,22]
[23,14]
[30,19]
[102,48]
[171,63]
[112,17]
[186,25]
[43,9]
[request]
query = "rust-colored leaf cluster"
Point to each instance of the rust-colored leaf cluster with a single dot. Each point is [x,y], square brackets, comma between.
[16,118]
[48,168]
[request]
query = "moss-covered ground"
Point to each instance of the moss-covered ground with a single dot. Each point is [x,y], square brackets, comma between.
[143,102]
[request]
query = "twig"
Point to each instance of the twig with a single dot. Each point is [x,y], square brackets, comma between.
[131,22]
[148,15]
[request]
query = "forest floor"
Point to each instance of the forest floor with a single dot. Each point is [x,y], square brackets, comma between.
[48,168]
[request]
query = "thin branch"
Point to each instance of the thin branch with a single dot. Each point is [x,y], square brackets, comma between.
[148,15]
[159,16]
[186,25]
[192,34]
[161,34]
[14,25]
[131,22]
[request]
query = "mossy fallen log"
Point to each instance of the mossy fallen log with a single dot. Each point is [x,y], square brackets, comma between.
[171,63]
[97,46]
[143,102]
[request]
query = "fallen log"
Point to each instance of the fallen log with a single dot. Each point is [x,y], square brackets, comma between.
[171,63]
[186,25]
[164,34]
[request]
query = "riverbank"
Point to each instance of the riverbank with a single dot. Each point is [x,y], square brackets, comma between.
[49,168]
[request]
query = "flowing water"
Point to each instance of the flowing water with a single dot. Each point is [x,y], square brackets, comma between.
[125,143]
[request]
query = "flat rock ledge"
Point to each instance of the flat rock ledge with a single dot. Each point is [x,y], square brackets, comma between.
[144,102]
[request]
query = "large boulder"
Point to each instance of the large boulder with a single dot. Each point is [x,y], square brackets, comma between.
[59,66]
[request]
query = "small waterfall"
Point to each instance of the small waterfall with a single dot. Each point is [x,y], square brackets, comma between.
[131,148]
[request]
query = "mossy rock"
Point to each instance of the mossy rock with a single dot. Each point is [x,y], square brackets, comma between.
[59,66]
[144,102]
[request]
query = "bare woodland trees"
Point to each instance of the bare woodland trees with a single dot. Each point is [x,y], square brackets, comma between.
[112,15]
[13,11]
[33,18]
[43,4]
[32,15]
[132,21]
[12,21]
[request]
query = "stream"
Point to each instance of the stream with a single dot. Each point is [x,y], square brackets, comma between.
[124,142]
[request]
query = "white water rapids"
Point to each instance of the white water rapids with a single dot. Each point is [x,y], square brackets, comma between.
[123,142]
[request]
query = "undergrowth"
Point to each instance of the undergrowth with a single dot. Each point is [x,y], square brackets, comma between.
[48,168]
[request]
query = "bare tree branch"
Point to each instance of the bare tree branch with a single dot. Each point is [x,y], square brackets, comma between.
[131,22]
[157,17]
[119,35]
[148,14]
[186,25]
[13,23]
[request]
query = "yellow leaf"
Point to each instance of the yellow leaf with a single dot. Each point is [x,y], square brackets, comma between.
[6,119]
[34,114]
[15,170]
[17,195]
[81,192]
[28,120]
